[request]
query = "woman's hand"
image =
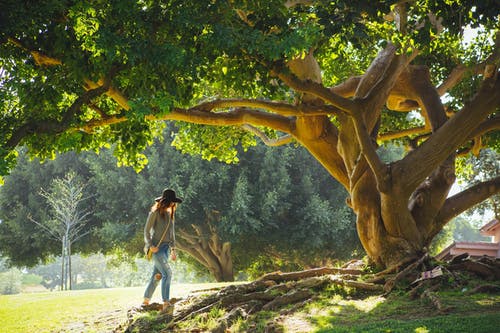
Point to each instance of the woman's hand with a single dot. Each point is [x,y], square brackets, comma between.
[154,249]
[173,255]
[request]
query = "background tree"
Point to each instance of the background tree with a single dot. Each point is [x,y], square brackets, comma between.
[10,279]
[69,221]
[281,236]
[20,242]
[217,215]
[336,77]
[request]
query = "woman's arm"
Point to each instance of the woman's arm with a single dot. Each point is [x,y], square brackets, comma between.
[147,230]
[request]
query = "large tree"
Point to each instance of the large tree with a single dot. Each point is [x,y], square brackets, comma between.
[337,77]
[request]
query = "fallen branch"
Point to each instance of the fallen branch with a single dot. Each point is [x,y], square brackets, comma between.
[226,321]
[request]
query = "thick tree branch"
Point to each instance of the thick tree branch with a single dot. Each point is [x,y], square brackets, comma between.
[373,90]
[448,137]
[283,140]
[283,109]
[401,134]
[368,150]
[456,75]
[428,97]
[40,58]
[236,117]
[376,73]
[348,87]
[489,125]
[114,94]
[315,89]
[51,126]
[464,200]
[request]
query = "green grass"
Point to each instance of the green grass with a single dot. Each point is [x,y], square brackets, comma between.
[479,313]
[102,310]
[477,323]
[340,312]
[94,310]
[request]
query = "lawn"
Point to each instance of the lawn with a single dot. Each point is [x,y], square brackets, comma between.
[95,310]
[102,310]
[478,313]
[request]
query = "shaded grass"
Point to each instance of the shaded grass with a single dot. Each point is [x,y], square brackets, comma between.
[339,311]
[477,323]
[475,313]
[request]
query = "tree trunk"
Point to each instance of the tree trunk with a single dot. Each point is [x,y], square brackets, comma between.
[402,205]
[204,244]
[63,262]
[69,267]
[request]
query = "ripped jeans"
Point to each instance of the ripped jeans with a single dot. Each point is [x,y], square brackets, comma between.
[161,268]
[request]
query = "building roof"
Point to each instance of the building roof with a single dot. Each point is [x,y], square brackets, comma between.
[489,228]
[475,248]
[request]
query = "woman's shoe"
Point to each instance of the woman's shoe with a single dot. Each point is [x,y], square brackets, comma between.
[168,308]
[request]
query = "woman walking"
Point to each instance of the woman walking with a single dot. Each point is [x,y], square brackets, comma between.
[159,237]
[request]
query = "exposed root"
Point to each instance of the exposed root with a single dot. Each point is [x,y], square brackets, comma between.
[380,276]
[484,288]
[485,267]
[280,277]
[272,292]
[390,284]
[436,302]
[289,292]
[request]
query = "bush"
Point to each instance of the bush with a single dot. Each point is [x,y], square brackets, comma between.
[31,279]
[10,282]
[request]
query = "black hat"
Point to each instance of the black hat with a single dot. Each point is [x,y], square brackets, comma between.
[168,196]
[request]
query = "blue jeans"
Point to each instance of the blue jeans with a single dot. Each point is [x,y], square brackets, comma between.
[161,267]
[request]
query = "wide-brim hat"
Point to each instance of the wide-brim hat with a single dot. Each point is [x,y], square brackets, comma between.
[168,196]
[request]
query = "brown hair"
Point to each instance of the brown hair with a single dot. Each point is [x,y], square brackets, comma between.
[161,207]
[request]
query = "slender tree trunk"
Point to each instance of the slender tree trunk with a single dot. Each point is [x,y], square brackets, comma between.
[69,267]
[63,262]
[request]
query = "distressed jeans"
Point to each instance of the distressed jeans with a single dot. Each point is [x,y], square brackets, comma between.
[161,266]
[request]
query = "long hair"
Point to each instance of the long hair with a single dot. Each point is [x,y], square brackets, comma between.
[162,207]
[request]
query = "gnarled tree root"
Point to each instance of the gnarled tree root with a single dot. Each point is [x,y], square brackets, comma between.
[285,291]
[272,291]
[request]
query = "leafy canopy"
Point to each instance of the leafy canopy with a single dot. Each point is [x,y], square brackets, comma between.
[80,75]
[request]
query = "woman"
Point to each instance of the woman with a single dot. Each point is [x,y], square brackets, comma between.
[159,236]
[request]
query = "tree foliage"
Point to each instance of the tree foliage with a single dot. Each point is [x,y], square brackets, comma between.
[267,209]
[338,77]
[23,242]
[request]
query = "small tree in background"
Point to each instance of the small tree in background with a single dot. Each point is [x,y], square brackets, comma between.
[68,222]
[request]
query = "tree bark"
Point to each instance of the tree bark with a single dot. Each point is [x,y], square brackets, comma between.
[69,267]
[399,207]
[63,262]
[204,244]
